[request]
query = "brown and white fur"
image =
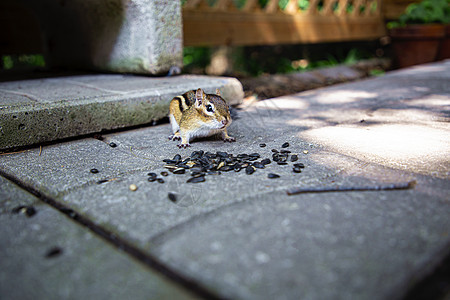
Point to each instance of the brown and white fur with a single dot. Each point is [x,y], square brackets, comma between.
[197,114]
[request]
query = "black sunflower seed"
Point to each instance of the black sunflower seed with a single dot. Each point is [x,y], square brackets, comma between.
[254,155]
[164,173]
[94,171]
[266,161]
[285,145]
[273,175]
[53,252]
[113,145]
[172,197]
[179,171]
[297,170]
[274,150]
[282,162]
[196,179]
[151,179]
[249,170]
[262,145]
[29,211]
[222,154]
[160,180]
[285,151]
[258,165]
[177,158]
[151,174]
[299,165]
[226,168]
[294,158]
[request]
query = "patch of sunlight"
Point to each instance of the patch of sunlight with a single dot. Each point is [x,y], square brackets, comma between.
[338,97]
[417,148]
[285,102]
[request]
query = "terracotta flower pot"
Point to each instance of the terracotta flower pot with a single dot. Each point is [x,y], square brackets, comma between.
[444,51]
[416,44]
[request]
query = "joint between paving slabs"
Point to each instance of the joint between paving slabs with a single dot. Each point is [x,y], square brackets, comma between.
[150,261]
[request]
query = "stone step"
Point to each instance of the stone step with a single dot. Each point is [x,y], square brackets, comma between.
[44,110]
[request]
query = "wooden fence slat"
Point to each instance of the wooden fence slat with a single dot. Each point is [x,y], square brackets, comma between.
[191,4]
[291,7]
[272,6]
[312,9]
[250,5]
[342,8]
[328,7]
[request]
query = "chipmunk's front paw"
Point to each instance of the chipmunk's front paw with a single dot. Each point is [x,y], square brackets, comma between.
[183,146]
[229,139]
[174,137]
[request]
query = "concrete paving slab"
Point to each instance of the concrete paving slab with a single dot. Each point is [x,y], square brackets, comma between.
[240,235]
[330,246]
[45,255]
[44,110]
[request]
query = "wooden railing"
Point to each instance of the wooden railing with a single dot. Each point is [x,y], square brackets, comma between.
[223,23]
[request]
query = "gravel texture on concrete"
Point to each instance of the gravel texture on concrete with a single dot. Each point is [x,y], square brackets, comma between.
[44,110]
[241,236]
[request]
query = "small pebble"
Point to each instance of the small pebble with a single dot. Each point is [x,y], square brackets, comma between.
[262,145]
[133,187]
[305,151]
[113,145]
[272,175]
[285,145]
[94,171]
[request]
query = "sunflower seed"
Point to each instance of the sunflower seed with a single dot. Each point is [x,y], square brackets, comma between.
[262,145]
[299,165]
[258,165]
[196,179]
[272,175]
[164,173]
[94,171]
[249,170]
[285,145]
[266,161]
[297,170]
[172,197]
[179,171]
[294,158]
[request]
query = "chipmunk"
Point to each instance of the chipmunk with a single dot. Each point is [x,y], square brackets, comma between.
[196,114]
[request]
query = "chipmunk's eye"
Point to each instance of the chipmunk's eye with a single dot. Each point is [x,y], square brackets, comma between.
[209,108]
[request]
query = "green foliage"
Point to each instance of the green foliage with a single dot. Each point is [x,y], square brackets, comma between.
[425,12]
[22,61]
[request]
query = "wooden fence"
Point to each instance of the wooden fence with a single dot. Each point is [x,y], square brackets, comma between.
[223,23]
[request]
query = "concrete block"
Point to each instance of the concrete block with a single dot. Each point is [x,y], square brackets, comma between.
[138,36]
[43,110]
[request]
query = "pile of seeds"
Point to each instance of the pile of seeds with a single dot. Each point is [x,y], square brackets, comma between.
[200,164]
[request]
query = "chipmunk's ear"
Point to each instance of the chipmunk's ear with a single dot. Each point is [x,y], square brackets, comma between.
[217,92]
[199,98]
